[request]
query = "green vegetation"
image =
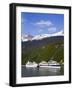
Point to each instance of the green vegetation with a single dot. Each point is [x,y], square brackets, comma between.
[53,51]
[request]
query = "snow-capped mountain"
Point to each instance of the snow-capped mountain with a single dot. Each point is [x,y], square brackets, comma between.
[41,36]
[26,38]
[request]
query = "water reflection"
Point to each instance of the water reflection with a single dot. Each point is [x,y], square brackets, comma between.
[41,71]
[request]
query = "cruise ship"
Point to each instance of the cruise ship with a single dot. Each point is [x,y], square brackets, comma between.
[31,64]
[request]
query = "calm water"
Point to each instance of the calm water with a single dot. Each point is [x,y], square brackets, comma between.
[41,71]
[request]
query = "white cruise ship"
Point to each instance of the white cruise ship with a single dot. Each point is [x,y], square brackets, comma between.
[53,64]
[31,64]
[43,64]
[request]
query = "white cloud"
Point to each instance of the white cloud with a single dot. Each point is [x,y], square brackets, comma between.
[52,29]
[46,25]
[40,30]
[43,23]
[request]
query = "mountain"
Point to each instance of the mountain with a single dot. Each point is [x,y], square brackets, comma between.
[27,46]
[26,38]
[45,49]
[41,36]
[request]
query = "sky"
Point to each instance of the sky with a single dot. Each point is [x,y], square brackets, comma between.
[41,23]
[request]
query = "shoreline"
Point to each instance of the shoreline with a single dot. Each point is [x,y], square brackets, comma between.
[45,65]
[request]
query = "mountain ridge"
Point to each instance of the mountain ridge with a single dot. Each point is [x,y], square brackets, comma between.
[27,46]
[40,36]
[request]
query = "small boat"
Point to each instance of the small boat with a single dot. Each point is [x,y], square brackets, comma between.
[31,64]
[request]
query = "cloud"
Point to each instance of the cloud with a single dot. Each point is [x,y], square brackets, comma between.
[46,26]
[52,29]
[40,30]
[43,23]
